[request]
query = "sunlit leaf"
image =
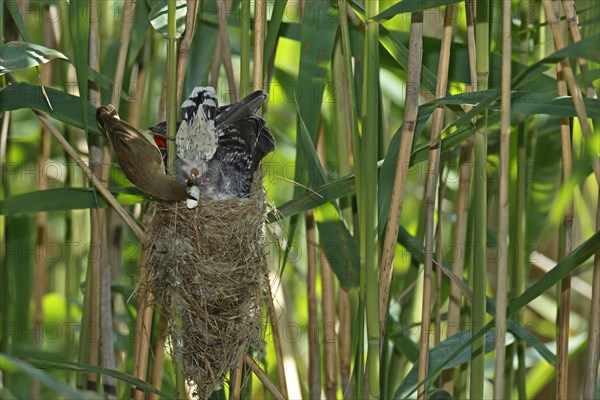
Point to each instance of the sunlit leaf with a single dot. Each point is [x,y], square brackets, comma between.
[451,352]
[410,6]
[91,369]
[587,48]
[564,267]
[66,107]
[21,55]
[64,199]
[273,28]
[159,13]
[12,364]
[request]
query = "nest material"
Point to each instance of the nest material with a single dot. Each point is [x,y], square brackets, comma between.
[207,268]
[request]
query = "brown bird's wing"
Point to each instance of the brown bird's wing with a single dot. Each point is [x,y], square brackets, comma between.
[139,158]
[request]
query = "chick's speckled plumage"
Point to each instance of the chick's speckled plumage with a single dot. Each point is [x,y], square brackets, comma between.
[220,148]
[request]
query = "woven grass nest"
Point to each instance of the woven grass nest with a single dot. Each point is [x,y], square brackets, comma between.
[207,269]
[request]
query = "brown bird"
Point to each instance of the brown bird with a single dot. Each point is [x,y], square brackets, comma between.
[139,157]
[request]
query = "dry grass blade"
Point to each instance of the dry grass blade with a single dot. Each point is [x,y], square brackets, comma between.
[158,364]
[570,13]
[143,326]
[430,194]
[411,108]
[562,320]
[329,329]
[222,11]
[554,22]
[99,158]
[264,378]
[216,64]
[235,381]
[314,360]
[567,246]
[260,23]
[126,26]
[345,342]
[438,260]
[185,44]
[460,234]
[277,343]
[593,356]
[330,362]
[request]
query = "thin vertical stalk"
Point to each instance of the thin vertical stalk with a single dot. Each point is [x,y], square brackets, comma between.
[411,109]
[329,328]
[126,26]
[99,157]
[520,260]
[185,44]
[344,338]
[343,131]
[327,302]
[171,106]
[367,193]
[105,302]
[430,195]
[314,362]
[460,233]
[216,64]
[41,218]
[554,22]
[480,205]
[158,364]
[438,261]
[462,202]
[503,212]
[135,110]
[571,14]
[516,245]
[172,99]
[277,343]
[562,321]
[260,23]
[350,100]
[349,113]
[72,264]
[222,10]
[593,356]
[235,381]
[245,84]
[143,326]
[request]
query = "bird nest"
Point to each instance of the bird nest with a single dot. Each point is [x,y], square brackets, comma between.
[207,269]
